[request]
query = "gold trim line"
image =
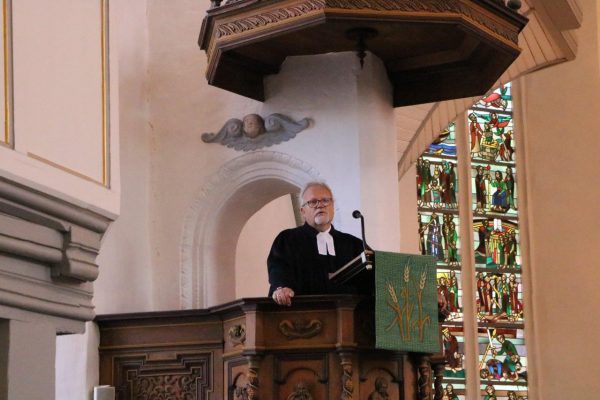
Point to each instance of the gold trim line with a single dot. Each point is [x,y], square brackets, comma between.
[103,32]
[62,168]
[7,105]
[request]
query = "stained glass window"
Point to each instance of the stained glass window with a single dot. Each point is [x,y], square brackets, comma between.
[499,303]
[439,223]
[502,355]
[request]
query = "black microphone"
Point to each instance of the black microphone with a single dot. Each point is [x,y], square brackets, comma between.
[356,214]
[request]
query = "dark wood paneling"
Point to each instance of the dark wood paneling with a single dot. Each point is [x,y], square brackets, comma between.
[239,351]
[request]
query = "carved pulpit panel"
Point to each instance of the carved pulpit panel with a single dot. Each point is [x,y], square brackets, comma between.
[301,376]
[185,376]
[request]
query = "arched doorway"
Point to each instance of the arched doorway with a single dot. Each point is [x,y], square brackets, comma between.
[215,219]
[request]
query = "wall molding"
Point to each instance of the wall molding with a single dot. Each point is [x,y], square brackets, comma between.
[48,248]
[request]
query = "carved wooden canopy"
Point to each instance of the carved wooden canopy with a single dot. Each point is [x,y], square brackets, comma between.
[432,49]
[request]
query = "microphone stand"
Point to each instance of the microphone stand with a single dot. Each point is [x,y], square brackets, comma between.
[367,249]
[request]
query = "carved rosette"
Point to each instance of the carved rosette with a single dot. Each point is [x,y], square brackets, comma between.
[237,334]
[300,329]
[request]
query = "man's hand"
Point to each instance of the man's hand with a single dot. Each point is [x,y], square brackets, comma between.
[283,296]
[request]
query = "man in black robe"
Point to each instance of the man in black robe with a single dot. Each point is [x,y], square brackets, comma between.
[301,258]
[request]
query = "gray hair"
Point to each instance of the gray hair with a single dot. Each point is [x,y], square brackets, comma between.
[312,184]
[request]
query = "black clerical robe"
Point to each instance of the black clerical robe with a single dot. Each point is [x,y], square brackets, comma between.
[295,262]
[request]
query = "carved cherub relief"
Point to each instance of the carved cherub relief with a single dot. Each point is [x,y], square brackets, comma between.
[380,392]
[300,392]
[253,132]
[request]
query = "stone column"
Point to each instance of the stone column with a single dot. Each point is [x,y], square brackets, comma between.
[27,355]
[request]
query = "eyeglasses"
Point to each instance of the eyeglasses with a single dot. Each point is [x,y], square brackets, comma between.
[314,203]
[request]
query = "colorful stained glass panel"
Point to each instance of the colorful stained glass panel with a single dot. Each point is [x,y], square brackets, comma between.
[445,144]
[499,297]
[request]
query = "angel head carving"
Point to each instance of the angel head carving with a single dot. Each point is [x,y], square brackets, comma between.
[253,132]
[253,125]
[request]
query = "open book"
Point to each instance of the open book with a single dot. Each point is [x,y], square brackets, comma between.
[363,261]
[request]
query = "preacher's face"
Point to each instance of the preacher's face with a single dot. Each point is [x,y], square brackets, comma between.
[321,216]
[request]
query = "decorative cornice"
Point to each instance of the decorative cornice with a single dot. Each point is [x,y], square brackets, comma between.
[268,17]
[480,18]
[278,15]
[41,230]
[428,6]
[28,294]
[51,206]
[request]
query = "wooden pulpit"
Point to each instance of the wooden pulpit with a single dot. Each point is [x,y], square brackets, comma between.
[322,347]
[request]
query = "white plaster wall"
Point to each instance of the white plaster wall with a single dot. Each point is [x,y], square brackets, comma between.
[378,168]
[182,107]
[409,226]
[252,250]
[125,280]
[324,88]
[77,363]
[562,166]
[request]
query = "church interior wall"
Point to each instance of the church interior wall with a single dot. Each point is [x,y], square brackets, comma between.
[164,164]
[125,283]
[125,280]
[179,113]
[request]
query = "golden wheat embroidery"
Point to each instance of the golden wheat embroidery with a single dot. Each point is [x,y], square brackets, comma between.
[403,308]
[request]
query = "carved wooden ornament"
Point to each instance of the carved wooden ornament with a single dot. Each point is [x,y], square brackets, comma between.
[253,132]
[300,392]
[237,334]
[299,329]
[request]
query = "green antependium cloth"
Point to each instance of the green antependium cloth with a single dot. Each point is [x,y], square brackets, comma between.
[406,308]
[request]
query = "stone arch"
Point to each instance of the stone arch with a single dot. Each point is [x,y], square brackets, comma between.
[218,213]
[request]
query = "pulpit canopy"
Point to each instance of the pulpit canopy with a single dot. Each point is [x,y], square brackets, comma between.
[432,49]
